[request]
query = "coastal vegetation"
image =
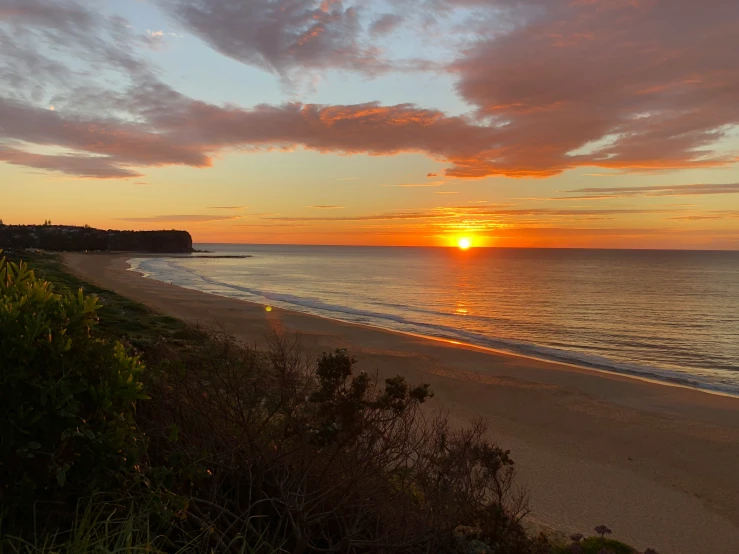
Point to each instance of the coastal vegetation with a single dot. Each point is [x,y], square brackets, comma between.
[127,431]
[74,238]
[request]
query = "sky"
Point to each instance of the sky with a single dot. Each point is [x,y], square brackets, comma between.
[525,123]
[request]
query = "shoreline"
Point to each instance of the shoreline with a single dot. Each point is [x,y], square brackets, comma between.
[664,381]
[654,461]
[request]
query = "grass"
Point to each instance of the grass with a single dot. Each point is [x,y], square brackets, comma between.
[125,528]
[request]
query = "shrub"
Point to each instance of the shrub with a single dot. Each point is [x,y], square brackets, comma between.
[67,398]
[320,458]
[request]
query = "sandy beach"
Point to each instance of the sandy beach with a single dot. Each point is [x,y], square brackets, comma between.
[656,463]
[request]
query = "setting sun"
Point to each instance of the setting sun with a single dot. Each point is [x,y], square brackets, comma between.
[464,243]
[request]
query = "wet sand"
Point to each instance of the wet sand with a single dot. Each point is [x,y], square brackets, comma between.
[658,464]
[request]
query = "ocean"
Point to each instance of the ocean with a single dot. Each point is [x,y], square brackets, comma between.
[671,316]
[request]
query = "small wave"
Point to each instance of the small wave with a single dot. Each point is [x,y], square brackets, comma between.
[169,271]
[139,266]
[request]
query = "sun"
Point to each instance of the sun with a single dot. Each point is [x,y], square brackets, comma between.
[464,243]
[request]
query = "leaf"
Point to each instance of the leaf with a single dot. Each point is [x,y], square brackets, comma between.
[61,477]
[173,433]
[33,445]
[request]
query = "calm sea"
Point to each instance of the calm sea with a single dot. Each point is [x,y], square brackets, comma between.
[667,315]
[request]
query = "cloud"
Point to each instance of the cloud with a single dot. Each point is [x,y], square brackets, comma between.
[227,207]
[555,85]
[601,193]
[81,166]
[281,35]
[636,85]
[374,217]
[100,126]
[385,24]
[715,214]
[67,14]
[567,212]
[327,207]
[107,147]
[39,37]
[475,214]
[280,226]
[414,185]
[432,175]
[179,218]
[351,129]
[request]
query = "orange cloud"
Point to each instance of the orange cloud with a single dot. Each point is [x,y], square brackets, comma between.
[653,76]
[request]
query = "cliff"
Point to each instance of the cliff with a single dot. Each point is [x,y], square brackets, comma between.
[69,238]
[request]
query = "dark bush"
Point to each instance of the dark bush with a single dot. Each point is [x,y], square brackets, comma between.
[319,458]
[67,398]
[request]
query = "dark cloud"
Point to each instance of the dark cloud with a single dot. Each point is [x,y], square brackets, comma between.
[326,207]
